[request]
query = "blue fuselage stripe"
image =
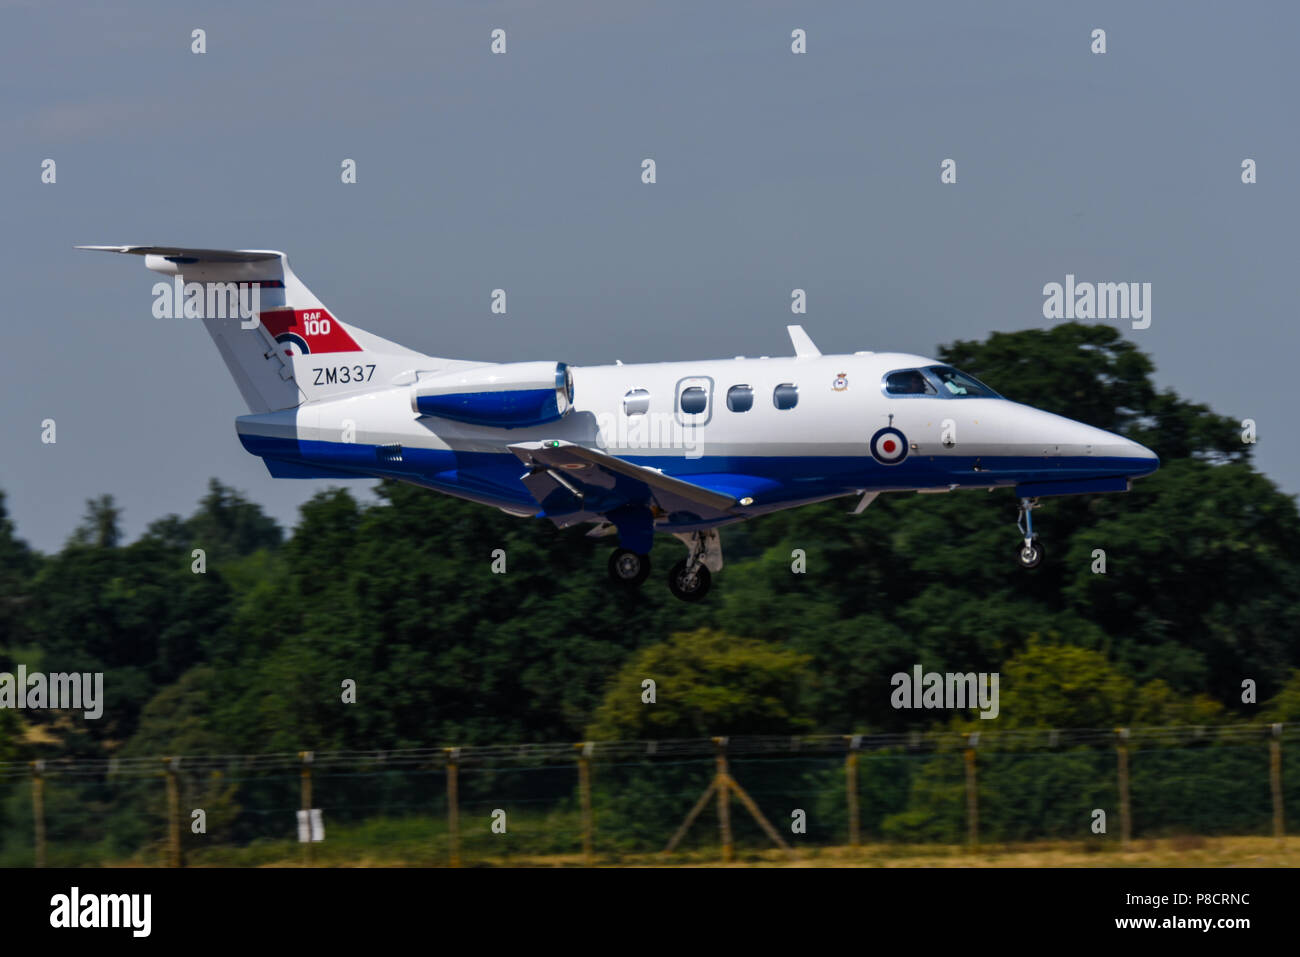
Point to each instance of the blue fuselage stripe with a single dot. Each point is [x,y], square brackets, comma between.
[494,477]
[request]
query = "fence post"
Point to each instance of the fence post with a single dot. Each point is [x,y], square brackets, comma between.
[972,793]
[173,813]
[724,802]
[307,757]
[851,789]
[585,749]
[38,810]
[453,808]
[1275,779]
[1125,809]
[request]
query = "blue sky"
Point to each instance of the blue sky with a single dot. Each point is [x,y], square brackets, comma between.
[522,171]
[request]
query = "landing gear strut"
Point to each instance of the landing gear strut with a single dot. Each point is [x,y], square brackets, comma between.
[690,578]
[1030,552]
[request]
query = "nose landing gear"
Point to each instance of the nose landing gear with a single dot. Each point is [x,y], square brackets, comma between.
[1030,552]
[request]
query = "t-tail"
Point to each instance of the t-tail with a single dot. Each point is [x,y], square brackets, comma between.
[281,344]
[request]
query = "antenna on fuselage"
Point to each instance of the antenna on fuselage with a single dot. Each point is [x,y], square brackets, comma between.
[803,344]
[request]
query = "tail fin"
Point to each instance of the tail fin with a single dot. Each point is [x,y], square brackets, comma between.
[295,350]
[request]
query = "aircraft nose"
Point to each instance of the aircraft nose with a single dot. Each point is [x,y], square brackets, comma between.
[1131,458]
[1143,460]
[1091,448]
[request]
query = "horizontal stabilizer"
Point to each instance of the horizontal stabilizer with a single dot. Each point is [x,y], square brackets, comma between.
[187,256]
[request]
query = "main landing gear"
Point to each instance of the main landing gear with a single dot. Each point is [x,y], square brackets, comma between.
[627,567]
[687,583]
[1030,552]
[688,580]
[630,562]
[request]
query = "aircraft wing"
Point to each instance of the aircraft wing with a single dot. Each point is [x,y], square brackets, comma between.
[575,483]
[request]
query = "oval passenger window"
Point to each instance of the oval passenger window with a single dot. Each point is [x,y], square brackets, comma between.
[694,399]
[785,396]
[740,398]
[636,402]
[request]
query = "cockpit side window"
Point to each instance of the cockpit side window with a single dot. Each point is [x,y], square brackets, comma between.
[959,385]
[908,382]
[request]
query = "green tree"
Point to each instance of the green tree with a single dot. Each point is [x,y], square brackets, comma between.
[18,563]
[226,526]
[1285,705]
[100,526]
[706,683]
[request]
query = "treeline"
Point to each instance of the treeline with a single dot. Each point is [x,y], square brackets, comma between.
[1200,593]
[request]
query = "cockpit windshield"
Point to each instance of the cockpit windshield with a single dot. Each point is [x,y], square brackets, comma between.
[938,381]
[909,382]
[960,385]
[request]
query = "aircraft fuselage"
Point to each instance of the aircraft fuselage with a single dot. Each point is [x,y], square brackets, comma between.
[817,448]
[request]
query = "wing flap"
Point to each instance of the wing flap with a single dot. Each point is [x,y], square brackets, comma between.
[597,482]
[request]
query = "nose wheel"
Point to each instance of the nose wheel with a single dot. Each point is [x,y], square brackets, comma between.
[1029,553]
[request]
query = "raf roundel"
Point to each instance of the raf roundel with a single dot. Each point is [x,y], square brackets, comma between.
[889,446]
[294,344]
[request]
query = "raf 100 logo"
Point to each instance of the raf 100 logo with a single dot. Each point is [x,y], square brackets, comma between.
[314,325]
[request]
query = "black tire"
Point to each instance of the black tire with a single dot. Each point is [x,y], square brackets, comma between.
[628,568]
[696,590]
[1030,555]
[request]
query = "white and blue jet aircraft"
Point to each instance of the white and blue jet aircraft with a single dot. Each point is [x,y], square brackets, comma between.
[676,447]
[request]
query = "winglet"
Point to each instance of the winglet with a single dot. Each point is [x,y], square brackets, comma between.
[803,345]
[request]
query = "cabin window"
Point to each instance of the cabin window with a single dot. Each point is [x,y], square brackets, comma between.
[694,399]
[785,396]
[740,398]
[636,402]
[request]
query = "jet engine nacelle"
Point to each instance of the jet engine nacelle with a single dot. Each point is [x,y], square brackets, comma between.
[507,396]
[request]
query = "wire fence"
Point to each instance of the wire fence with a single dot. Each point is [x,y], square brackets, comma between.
[604,802]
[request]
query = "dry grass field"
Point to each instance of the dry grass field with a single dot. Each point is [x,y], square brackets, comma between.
[1163,852]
